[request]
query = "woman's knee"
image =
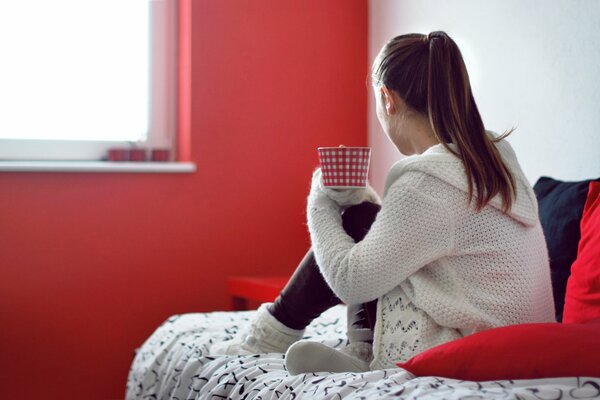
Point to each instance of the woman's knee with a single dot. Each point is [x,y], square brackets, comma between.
[357,220]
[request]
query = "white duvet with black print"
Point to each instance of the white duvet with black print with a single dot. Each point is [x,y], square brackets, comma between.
[175,363]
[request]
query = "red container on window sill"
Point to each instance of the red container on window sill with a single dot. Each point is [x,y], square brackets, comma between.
[137,155]
[160,155]
[118,155]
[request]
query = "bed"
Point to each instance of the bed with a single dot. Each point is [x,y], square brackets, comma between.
[175,361]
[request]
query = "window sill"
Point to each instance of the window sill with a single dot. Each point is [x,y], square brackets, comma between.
[97,166]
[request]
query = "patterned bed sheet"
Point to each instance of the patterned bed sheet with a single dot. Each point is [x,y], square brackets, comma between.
[175,363]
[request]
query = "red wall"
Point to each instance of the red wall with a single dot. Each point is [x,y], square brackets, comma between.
[90,264]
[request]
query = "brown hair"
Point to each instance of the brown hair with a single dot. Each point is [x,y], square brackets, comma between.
[429,74]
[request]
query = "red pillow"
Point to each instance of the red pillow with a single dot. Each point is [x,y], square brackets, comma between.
[526,351]
[582,298]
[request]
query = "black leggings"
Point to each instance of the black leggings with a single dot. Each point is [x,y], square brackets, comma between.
[307,295]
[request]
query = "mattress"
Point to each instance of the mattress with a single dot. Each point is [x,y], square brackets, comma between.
[175,363]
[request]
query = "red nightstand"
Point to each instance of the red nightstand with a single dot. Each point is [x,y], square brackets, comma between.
[260,289]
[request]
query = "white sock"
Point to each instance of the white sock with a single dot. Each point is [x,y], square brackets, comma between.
[306,356]
[265,334]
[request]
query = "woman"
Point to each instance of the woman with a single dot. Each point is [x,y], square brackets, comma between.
[456,247]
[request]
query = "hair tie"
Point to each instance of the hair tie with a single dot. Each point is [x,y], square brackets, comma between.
[434,35]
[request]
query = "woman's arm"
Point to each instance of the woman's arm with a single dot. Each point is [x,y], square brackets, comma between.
[411,230]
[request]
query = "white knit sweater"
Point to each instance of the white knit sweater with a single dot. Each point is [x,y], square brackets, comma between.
[439,269]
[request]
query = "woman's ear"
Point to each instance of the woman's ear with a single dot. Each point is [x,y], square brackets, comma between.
[388,100]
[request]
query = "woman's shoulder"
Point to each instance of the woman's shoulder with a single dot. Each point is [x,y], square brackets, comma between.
[441,162]
[437,162]
[424,186]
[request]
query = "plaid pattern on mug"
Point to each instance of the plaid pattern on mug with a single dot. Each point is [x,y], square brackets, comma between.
[345,167]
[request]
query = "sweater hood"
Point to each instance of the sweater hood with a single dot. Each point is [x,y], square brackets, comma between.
[440,163]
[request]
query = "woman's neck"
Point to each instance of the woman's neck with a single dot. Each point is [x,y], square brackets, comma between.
[414,135]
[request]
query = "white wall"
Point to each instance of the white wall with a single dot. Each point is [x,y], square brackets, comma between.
[534,64]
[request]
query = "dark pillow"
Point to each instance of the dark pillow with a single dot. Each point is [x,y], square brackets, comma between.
[560,208]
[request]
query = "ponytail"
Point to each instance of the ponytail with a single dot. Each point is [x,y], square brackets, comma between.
[455,118]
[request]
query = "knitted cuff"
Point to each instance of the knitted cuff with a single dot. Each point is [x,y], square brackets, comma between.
[350,197]
[323,196]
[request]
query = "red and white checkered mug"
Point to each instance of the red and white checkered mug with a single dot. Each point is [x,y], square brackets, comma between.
[345,167]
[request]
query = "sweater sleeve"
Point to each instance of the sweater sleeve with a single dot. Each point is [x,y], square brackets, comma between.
[411,230]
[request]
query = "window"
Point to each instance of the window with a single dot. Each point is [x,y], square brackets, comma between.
[78,77]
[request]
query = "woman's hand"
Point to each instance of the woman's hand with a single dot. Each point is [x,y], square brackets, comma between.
[321,196]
